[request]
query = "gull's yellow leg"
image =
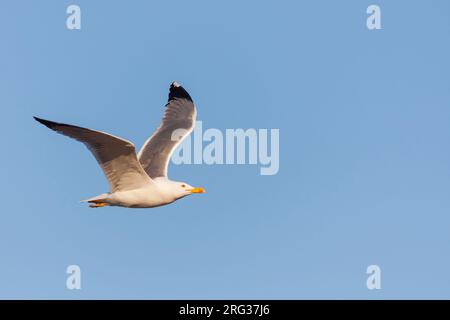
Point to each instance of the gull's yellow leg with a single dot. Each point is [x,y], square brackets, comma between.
[98,204]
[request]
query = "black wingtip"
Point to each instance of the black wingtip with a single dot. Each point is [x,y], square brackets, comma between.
[177,91]
[42,121]
[47,123]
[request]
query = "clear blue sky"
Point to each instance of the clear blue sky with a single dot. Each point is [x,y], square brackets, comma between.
[364,119]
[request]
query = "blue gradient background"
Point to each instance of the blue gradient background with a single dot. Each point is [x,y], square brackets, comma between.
[364,120]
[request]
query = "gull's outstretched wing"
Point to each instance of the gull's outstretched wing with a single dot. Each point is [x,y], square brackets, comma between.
[177,124]
[116,156]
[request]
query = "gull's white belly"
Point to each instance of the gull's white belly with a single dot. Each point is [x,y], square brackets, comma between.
[147,197]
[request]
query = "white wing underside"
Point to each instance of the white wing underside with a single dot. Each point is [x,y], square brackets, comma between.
[178,122]
[116,156]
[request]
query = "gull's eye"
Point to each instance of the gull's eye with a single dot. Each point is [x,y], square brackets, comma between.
[183,185]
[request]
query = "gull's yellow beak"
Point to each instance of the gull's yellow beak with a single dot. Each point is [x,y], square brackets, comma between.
[197,190]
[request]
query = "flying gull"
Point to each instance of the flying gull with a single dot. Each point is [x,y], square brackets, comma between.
[139,180]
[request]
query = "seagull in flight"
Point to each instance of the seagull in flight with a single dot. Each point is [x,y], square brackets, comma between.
[139,180]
